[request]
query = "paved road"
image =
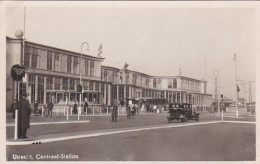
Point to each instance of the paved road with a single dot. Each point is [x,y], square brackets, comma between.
[103,122]
[214,142]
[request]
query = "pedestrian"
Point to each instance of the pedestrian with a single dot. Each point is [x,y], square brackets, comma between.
[35,107]
[128,111]
[142,108]
[147,107]
[50,107]
[75,107]
[85,106]
[114,112]
[154,108]
[132,108]
[24,111]
[137,109]
[45,109]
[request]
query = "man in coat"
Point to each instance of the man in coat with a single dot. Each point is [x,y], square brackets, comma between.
[85,106]
[24,111]
[50,107]
[114,112]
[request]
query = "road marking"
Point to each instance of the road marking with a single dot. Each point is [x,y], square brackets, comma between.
[40,141]
[241,122]
[47,140]
[59,122]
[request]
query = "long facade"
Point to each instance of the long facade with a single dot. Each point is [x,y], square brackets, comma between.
[53,74]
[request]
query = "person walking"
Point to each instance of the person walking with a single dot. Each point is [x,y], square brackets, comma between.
[35,107]
[132,109]
[85,106]
[114,112]
[128,111]
[24,112]
[142,108]
[137,109]
[75,107]
[50,107]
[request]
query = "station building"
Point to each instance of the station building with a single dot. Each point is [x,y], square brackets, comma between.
[53,74]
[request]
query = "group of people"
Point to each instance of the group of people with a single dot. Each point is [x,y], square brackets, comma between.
[132,109]
[150,108]
[46,108]
[74,107]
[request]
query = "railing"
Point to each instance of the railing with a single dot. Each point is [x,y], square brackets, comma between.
[61,110]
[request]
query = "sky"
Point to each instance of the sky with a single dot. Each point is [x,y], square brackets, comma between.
[155,41]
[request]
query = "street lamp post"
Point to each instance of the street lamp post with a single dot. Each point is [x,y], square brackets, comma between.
[81,94]
[217,83]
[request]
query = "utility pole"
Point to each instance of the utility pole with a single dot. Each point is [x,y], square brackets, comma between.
[235,59]
[205,70]
[250,92]
[217,89]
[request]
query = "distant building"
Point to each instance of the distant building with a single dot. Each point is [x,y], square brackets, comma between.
[53,74]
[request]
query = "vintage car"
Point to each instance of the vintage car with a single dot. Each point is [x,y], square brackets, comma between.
[181,111]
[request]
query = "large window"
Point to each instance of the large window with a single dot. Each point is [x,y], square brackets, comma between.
[69,63]
[56,62]
[27,56]
[121,91]
[97,86]
[174,83]
[170,83]
[127,78]
[49,83]
[31,87]
[40,95]
[105,75]
[85,85]
[114,74]
[57,83]
[22,88]
[154,83]
[114,91]
[147,82]
[34,58]
[72,84]
[92,67]
[134,79]
[91,85]
[86,67]
[127,91]
[65,84]
[75,65]
[49,60]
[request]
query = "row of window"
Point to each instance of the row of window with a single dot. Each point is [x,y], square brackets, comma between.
[33,58]
[109,75]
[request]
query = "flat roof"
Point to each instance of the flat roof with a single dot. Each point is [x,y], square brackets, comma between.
[60,49]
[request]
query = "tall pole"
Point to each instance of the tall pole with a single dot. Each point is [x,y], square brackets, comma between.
[16,113]
[250,92]
[235,59]
[24,17]
[81,94]
[205,76]
[217,88]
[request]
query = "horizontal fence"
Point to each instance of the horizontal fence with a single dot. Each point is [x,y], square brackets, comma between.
[61,110]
